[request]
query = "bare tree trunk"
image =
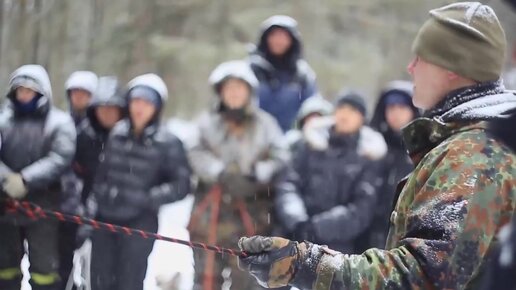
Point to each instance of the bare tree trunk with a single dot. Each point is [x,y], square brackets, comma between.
[1,29]
[37,30]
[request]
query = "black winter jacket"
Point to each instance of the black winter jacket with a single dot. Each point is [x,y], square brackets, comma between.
[39,145]
[138,175]
[332,190]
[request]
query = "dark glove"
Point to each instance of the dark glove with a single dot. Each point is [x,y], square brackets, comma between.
[83,233]
[237,185]
[305,231]
[272,261]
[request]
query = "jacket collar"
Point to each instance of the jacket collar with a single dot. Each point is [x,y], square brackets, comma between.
[424,134]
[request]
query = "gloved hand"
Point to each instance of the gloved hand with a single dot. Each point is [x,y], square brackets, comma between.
[237,185]
[271,260]
[14,186]
[83,233]
[305,231]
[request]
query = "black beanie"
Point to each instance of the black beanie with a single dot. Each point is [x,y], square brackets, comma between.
[353,99]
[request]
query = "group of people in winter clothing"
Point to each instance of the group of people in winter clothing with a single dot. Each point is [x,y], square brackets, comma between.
[109,159]
[271,156]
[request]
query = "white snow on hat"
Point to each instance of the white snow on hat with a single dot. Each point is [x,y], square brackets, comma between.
[82,80]
[238,69]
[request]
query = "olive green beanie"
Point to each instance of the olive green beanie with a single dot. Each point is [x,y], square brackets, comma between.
[465,38]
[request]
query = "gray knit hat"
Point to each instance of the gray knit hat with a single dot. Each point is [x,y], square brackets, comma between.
[465,38]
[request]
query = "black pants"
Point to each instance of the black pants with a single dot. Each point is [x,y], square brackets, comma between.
[43,254]
[67,246]
[119,262]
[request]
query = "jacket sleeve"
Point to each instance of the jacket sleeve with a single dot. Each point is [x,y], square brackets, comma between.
[451,223]
[4,169]
[206,165]
[353,218]
[290,206]
[49,168]
[177,172]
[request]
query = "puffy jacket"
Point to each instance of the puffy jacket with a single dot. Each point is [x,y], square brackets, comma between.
[285,83]
[137,175]
[39,145]
[260,151]
[332,187]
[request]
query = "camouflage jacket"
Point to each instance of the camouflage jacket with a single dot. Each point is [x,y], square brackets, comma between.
[449,210]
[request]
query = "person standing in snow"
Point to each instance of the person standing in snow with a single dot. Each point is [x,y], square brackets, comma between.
[333,179]
[285,79]
[38,144]
[239,154]
[312,109]
[79,90]
[142,167]
[80,86]
[393,112]
[460,194]
[105,110]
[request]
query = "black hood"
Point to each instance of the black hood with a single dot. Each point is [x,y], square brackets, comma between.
[289,60]
[379,122]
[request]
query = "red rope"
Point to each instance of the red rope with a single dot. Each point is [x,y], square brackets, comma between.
[35,212]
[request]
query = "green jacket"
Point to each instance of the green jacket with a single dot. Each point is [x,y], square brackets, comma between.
[462,191]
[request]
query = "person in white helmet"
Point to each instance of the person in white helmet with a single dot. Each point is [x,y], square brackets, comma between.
[80,87]
[142,167]
[240,151]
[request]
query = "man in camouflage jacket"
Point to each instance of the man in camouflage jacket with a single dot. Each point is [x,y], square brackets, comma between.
[462,191]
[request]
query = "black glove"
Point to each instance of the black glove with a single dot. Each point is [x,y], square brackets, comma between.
[272,261]
[304,231]
[237,185]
